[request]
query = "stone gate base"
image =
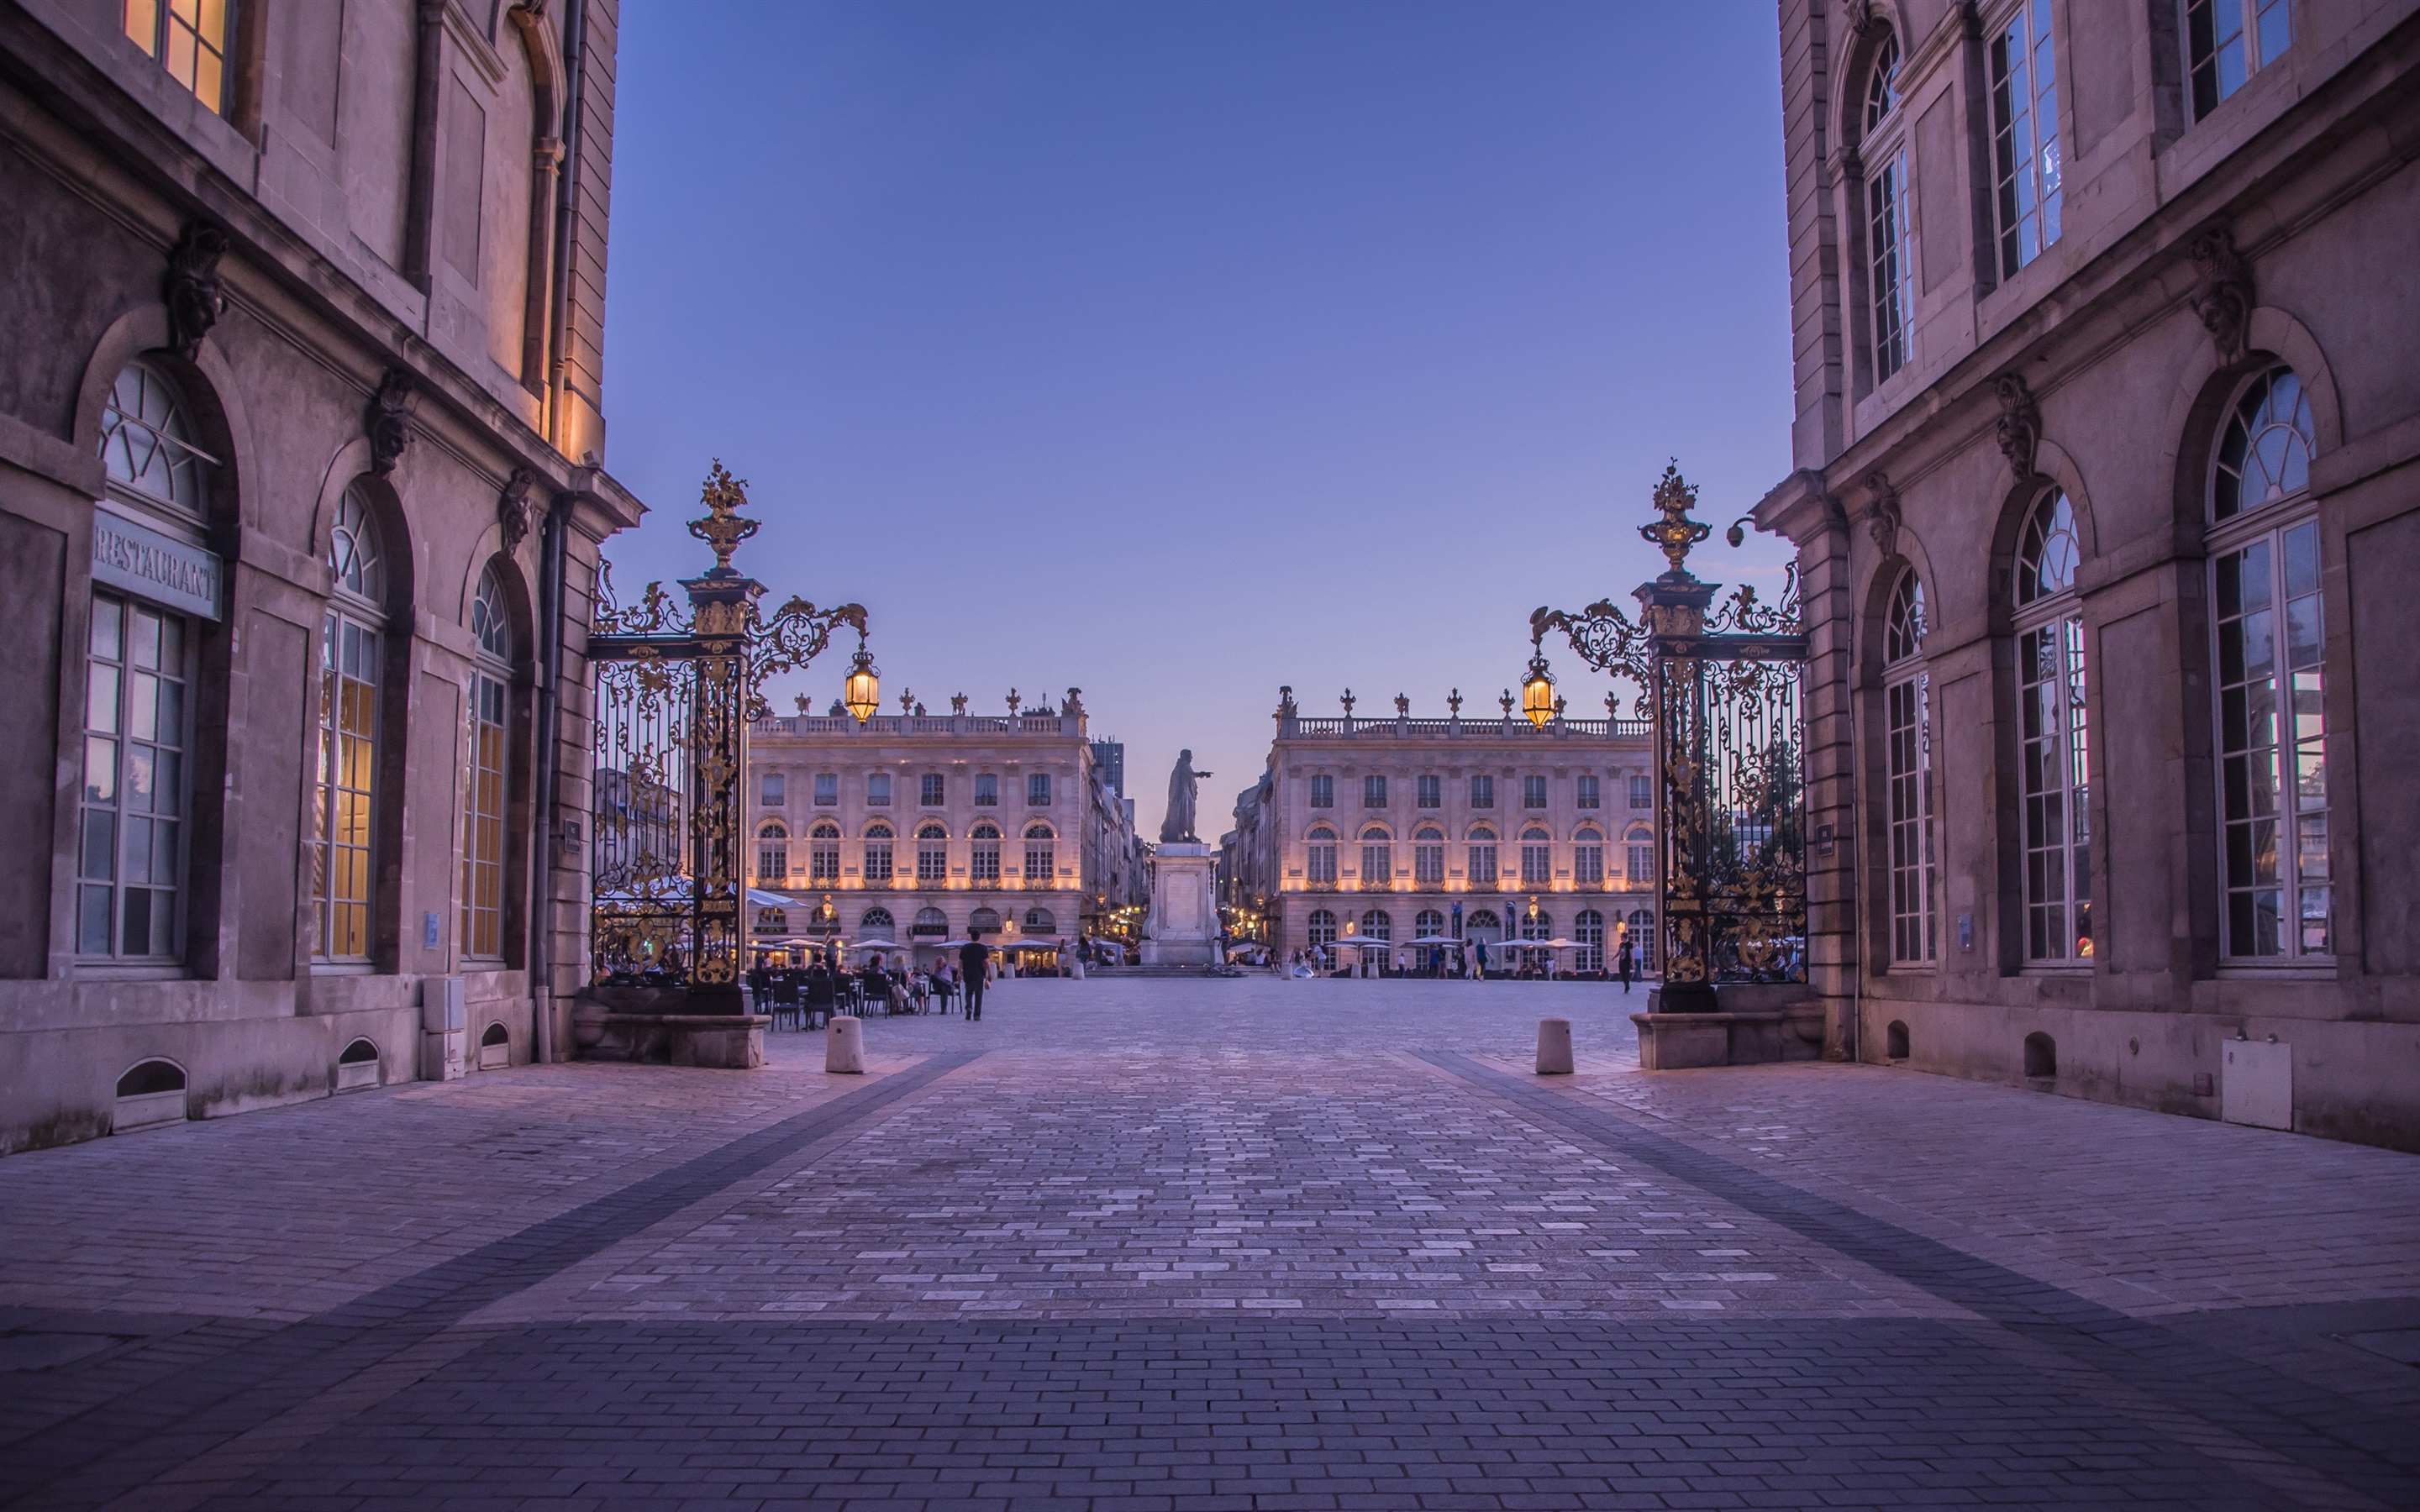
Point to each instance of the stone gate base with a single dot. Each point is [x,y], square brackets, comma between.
[1754,1026]
[728,1041]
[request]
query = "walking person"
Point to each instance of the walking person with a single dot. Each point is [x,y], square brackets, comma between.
[975,961]
[1629,963]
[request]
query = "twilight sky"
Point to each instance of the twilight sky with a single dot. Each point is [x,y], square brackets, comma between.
[1178,350]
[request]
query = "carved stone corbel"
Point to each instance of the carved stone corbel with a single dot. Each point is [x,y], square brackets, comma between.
[386,422]
[1863,18]
[2020,425]
[513,507]
[190,288]
[1883,515]
[2223,297]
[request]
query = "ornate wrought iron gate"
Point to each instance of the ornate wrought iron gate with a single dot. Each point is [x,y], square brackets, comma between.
[1726,687]
[675,698]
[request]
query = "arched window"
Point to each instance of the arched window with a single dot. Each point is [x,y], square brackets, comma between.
[1428,925]
[1377,858]
[1428,856]
[1378,927]
[1881,83]
[1588,857]
[1639,856]
[2269,678]
[878,854]
[982,922]
[1537,857]
[823,854]
[2051,732]
[1481,846]
[1319,929]
[1588,930]
[932,854]
[2265,455]
[1537,924]
[930,922]
[1639,928]
[875,924]
[1321,855]
[1889,257]
[1482,925]
[983,855]
[344,808]
[136,793]
[1041,855]
[147,445]
[1041,921]
[483,777]
[1907,724]
[772,852]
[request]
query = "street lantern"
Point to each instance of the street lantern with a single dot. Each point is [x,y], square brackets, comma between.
[1538,690]
[862,691]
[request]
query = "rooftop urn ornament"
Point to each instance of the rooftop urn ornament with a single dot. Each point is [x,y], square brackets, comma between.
[1403,706]
[1504,700]
[722,527]
[1676,532]
[1453,703]
[957,703]
[802,702]
[1012,702]
[907,701]
[862,691]
[1347,702]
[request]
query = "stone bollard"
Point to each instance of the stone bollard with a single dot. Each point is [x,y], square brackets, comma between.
[1554,1047]
[844,1046]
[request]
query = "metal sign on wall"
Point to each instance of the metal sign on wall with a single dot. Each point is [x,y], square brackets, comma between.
[170,573]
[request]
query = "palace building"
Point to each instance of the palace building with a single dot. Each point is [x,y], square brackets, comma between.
[300,506]
[1377,832]
[2107,512]
[1012,829]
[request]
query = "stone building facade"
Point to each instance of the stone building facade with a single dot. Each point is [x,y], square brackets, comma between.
[1384,830]
[921,828]
[2107,513]
[300,506]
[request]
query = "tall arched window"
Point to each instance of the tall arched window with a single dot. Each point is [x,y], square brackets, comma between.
[1481,846]
[2053,755]
[1320,856]
[823,854]
[932,854]
[1588,930]
[1537,857]
[772,852]
[1482,925]
[1889,257]
[1639,928]
[1378,927]
[1588,857]
[1041,855]
[1428,925]
[1377,858]
[1319,929]
[352,646]
[878,854]
[483,772]
[1907,723]
[983,855]
[1428,856]
[2269,678]
[875,924]
[132,838]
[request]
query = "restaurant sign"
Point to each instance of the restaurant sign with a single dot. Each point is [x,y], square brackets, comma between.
[159,567]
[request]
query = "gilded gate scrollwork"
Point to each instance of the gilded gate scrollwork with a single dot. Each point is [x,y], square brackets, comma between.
[676,693]
[1726,686]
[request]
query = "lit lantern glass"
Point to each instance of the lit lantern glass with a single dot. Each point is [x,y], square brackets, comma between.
[1538,692]
[863,692]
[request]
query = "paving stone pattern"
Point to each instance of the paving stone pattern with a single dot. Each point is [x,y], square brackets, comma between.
[1251,1244]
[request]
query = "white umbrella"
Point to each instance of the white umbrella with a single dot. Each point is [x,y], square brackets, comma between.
[871,945]
[1436,940]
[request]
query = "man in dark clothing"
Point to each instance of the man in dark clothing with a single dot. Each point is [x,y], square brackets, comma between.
[971,959]
[1629,963]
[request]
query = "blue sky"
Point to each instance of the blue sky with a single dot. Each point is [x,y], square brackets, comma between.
[1179,350]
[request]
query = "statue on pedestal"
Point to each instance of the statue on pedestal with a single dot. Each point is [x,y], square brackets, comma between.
[1178,827]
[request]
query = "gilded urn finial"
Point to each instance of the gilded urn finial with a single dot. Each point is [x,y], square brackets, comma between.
[1676,532]
[722,527]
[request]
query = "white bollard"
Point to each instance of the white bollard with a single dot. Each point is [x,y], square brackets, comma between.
[844,1046]
[1554,1047]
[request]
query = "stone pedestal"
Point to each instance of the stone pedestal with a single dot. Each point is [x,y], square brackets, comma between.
[731,1042]
[1754,1026]
[1184,926]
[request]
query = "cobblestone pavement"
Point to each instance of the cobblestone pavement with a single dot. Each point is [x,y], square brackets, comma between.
[1200,1246]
